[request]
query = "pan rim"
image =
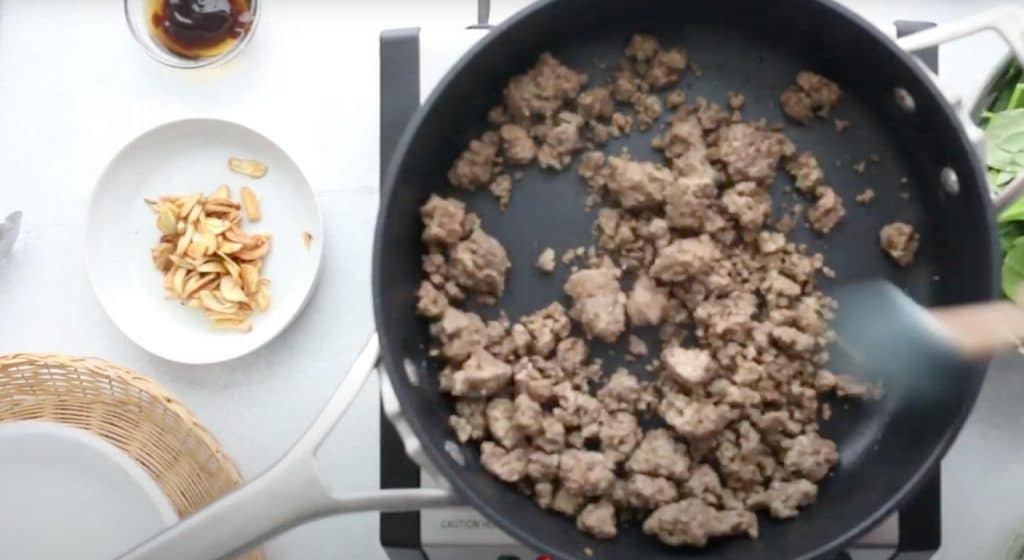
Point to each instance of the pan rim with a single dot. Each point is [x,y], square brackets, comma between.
[449,469]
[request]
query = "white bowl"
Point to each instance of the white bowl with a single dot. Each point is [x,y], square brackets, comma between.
[69,494]
[184,157]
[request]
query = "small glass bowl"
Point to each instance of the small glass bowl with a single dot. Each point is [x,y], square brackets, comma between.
[136,12]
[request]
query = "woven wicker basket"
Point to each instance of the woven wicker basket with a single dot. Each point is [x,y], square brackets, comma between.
[128,410]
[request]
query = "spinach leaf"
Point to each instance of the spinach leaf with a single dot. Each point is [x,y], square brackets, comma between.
[1013,270]
[1017,99]
[1005,130]
[1009,233]
[999,96]
[993,177]
[1004,140]
[1004,159]
[1004,178]
[999,159]
[1015,213]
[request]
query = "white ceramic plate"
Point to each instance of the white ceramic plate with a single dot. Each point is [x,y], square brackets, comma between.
[66,493]
[184,157]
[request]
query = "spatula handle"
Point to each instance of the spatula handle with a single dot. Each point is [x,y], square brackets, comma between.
[982,330]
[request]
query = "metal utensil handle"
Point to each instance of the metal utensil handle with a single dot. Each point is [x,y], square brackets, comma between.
[288,494]
[9,229]
[1008,21]
[483,13]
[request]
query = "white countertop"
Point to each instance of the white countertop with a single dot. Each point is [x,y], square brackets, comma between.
[74,87]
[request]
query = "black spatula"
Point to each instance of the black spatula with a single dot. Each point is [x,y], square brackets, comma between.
[884,336]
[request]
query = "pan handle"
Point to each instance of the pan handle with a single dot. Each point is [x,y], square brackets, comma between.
[288,494]
[1008,21]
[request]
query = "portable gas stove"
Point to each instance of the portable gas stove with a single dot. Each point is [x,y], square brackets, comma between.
[412,61]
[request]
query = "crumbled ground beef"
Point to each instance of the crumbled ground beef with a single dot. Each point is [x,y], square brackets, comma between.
[647,302]
[637,184]
[684,248]
[748,204]
[469,422]
[479,264]
[736,100]
[430,301]
[619,435]
[476,166]
[598,519]
[784,498]
[561,142]
[481,375]
[501,188]
[518,147]
[823,92]
[827,211]
[509,466]
[443,221]
[596,103]
[866,196]
[692,522]
[750,154]
[685,258]
[546,260]
[642,48]
[806,172]
[675,98]
[812,95]
[811,456]
[900,241]
[543,90]
[637,346]
[621,392]
[648,108]
[694,420]
[688,366]
[660,454]
[796,104]
[460,334]
[546,329]
[598,302]
[666,68]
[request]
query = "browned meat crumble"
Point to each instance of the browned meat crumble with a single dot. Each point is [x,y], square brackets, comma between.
[812,95]
[546,260]
[827,211]
[900,241]
[866,196]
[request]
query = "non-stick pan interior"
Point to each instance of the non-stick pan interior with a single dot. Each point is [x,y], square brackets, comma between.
[754,48]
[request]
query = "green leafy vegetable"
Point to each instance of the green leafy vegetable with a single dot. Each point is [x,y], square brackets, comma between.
[1013,269]
[1008,235]
[1013,214]
[1017,97]
[1003,122]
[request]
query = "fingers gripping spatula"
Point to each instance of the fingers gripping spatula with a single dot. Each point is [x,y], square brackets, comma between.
[884,336]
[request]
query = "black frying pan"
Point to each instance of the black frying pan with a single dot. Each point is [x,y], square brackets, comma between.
[755,47]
